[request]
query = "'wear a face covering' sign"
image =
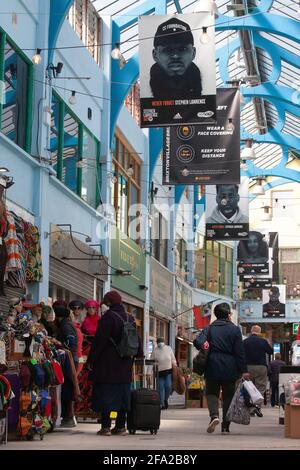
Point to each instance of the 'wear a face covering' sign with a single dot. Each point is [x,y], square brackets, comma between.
[177,70]
[206,154]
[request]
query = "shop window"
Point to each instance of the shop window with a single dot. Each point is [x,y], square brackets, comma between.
[90,171]
[126,192]
[74,153]
[70,152]
[132,102]
[86,22]
[15,107]
[160,238]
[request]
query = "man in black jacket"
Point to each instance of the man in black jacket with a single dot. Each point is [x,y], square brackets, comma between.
[256,349]
[174,75]
[225,364]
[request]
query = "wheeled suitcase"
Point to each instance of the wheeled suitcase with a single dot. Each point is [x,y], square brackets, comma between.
[145,403]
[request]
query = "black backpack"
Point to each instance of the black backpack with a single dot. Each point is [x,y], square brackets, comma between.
[128,345]
[200,361]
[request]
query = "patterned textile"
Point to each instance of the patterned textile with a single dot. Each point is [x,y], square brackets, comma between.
[17,278]
[14,258]
[34,271]
[83,402]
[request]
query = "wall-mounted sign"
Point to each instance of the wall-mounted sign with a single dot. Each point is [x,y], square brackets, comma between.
[274,302]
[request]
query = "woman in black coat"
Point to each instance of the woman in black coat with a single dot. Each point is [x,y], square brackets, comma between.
[111,374]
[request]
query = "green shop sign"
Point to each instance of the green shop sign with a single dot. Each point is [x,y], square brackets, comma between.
[295,328]
[126,255]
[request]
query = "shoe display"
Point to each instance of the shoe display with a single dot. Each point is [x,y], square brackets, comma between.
[104,432]
[213,424]
[119,432]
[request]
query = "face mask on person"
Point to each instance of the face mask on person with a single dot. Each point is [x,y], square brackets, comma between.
[160,345]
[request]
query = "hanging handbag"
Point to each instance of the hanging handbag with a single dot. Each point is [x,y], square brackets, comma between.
[200,361]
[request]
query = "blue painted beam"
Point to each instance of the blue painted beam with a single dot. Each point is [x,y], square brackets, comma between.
[274,137]
[179,190]
[58,12]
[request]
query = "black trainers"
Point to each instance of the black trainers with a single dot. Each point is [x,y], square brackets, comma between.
[67,423]
[225,428]
[213,424]
[104,432]
[258,412]
[118,432]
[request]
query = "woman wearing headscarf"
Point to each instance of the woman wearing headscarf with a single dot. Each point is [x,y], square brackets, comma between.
[90,323]
[88,329]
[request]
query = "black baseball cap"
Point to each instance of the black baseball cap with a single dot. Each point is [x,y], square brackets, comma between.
[173,30]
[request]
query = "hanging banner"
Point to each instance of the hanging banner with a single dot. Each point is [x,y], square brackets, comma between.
[257,283]
[177,69]
[274,302]
[227,211]
[254,255]
[210,153]
[274,242]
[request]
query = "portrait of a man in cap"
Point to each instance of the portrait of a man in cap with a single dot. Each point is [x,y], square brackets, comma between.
[174,74]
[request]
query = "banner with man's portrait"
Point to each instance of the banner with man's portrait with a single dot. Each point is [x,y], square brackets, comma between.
[206,154]
[177,69]
[274,300]
[227,211]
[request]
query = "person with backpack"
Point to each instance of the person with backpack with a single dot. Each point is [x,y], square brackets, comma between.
[164,356]
[225,363]
[115,345]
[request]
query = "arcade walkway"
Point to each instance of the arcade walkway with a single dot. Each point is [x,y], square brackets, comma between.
[180,429]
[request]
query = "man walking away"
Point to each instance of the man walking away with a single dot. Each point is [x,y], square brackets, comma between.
[273,373]
[225,364]
[256,349]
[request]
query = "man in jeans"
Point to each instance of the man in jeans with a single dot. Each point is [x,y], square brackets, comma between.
[164,356]
[256,349]
[225,364]
[273,373]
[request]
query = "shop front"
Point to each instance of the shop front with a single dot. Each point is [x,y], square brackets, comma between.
[161,303]
[128,257]
[20,254]
[76,271]
[184,324]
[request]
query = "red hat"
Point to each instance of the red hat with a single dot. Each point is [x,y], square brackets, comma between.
[91,303]
[113,297]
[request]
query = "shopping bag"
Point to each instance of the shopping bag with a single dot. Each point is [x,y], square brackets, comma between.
[255,395]
[238,412]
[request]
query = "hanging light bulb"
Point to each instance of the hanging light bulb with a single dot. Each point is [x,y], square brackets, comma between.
[196,216]
[185,171]
[72,99]
[204,38]
[266,215]
[37,58]
[130,170]
[284,280]
[116,53]
[230,126]
[248,152]
[259,189]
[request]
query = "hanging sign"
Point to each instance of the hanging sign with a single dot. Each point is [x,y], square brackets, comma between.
[227,211]
[177,69]
[274,302]
[206,154]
